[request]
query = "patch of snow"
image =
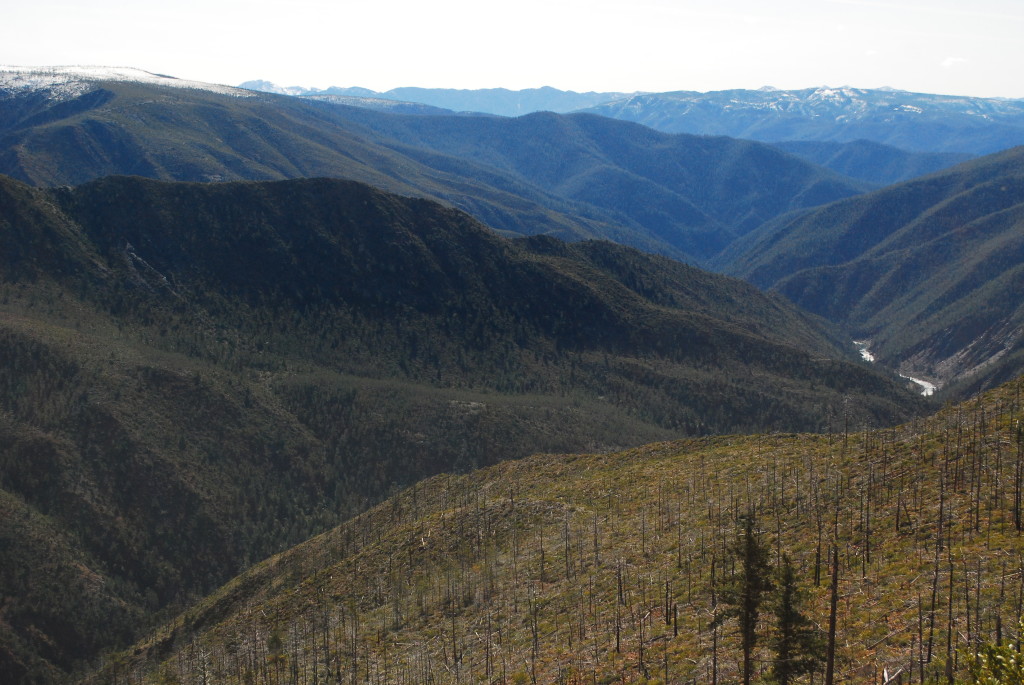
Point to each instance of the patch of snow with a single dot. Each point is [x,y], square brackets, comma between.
[827,94]
[910,108]
[72,81]
[269,87]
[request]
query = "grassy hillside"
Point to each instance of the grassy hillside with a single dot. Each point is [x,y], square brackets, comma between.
[197,376]
[619,567]
[927,270]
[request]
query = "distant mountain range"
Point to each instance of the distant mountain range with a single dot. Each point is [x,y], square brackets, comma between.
[571,176]
[914,122]
[911,121]
[500,101]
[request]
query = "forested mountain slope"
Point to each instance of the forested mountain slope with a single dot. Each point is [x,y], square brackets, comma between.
[198,375]
[872,162]
[910,122]
[930,270]
[697,193]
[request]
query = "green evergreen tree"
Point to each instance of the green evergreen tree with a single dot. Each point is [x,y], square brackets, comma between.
[797,643]
[745,591]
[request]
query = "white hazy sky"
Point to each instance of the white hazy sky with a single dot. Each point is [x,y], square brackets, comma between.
[964,47]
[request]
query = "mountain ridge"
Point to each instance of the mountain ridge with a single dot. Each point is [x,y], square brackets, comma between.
[918,122]
[502,174]
[499,101]
[753,114]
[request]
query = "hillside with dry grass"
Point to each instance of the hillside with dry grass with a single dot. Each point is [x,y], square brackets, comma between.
[614,567]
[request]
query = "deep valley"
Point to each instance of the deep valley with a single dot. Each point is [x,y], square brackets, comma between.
[306,388]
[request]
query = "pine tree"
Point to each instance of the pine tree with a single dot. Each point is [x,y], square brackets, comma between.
[797,643]
[745,591]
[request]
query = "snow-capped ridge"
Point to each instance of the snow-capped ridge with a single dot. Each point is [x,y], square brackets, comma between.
[70,81]
[264,86]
